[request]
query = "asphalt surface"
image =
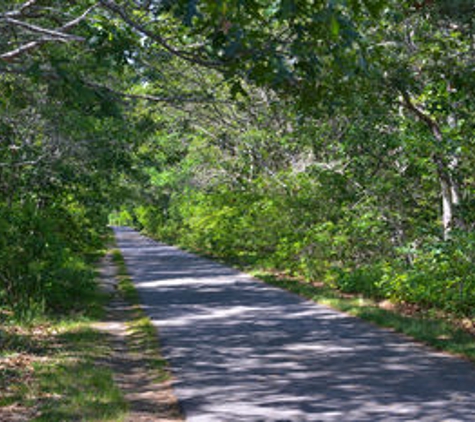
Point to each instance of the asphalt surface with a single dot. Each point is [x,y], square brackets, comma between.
[244,351]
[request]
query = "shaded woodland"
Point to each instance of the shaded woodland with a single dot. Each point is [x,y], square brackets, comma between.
[333,140]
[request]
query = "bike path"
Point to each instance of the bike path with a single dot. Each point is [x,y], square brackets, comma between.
[241,350]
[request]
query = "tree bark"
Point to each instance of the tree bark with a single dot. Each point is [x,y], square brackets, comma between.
[449,188]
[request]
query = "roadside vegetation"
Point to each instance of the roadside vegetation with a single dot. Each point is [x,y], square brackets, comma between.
[58,367]
[444,332]
[51,370]
[142,335]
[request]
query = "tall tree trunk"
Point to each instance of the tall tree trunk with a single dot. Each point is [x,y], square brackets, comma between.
[445,166]
[450,198]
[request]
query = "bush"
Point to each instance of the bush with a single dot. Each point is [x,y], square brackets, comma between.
[365,280]
[351,246]
[43,265]
[442,276]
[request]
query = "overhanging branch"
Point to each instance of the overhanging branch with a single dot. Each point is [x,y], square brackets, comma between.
[189,57]
[51,35]
[51,32]
[20,11]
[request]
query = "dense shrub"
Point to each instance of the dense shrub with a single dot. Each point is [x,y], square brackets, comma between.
[44,263]
[442,275]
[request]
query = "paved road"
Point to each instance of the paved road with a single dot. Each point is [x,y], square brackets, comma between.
[245,351]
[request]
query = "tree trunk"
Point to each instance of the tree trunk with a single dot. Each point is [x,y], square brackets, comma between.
[446,166]
[449,201]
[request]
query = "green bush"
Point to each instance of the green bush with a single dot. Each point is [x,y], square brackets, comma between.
[43,258]
[442,275]
[365,280]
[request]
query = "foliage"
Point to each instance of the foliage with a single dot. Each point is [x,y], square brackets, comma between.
[41,268]
[328,139]
[63,144]
[441,276]
[359,214]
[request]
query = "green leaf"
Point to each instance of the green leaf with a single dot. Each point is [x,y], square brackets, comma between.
[335,26]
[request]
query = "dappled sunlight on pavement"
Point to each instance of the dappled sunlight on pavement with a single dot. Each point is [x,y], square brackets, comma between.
[245,351]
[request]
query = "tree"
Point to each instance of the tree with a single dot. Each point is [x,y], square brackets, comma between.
[324,133]
[64,141]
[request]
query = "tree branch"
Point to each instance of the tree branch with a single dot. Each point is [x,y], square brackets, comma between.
[115,8]
[51,32]
[26,5]
[10,55]
[21,163]
[19,12]
[57,35]
[431,123]
[66,27]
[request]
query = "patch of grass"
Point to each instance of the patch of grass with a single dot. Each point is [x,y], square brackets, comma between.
[143,340]
[50,366]
[74,392]
[72,386]
[53,370]
[125,286]
[438,333]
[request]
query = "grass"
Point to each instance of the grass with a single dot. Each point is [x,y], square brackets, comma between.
[76,387]
[142,335]
[53,369]
[51,372]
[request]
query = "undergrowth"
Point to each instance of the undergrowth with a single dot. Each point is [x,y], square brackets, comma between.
[50,372]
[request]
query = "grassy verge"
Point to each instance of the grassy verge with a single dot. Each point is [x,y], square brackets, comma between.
[53,369]
[49,371]
[142,335]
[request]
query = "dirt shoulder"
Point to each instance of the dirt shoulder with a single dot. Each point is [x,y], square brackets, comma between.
[145,384]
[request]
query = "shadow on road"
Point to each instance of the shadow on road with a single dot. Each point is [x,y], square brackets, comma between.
[245,351]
